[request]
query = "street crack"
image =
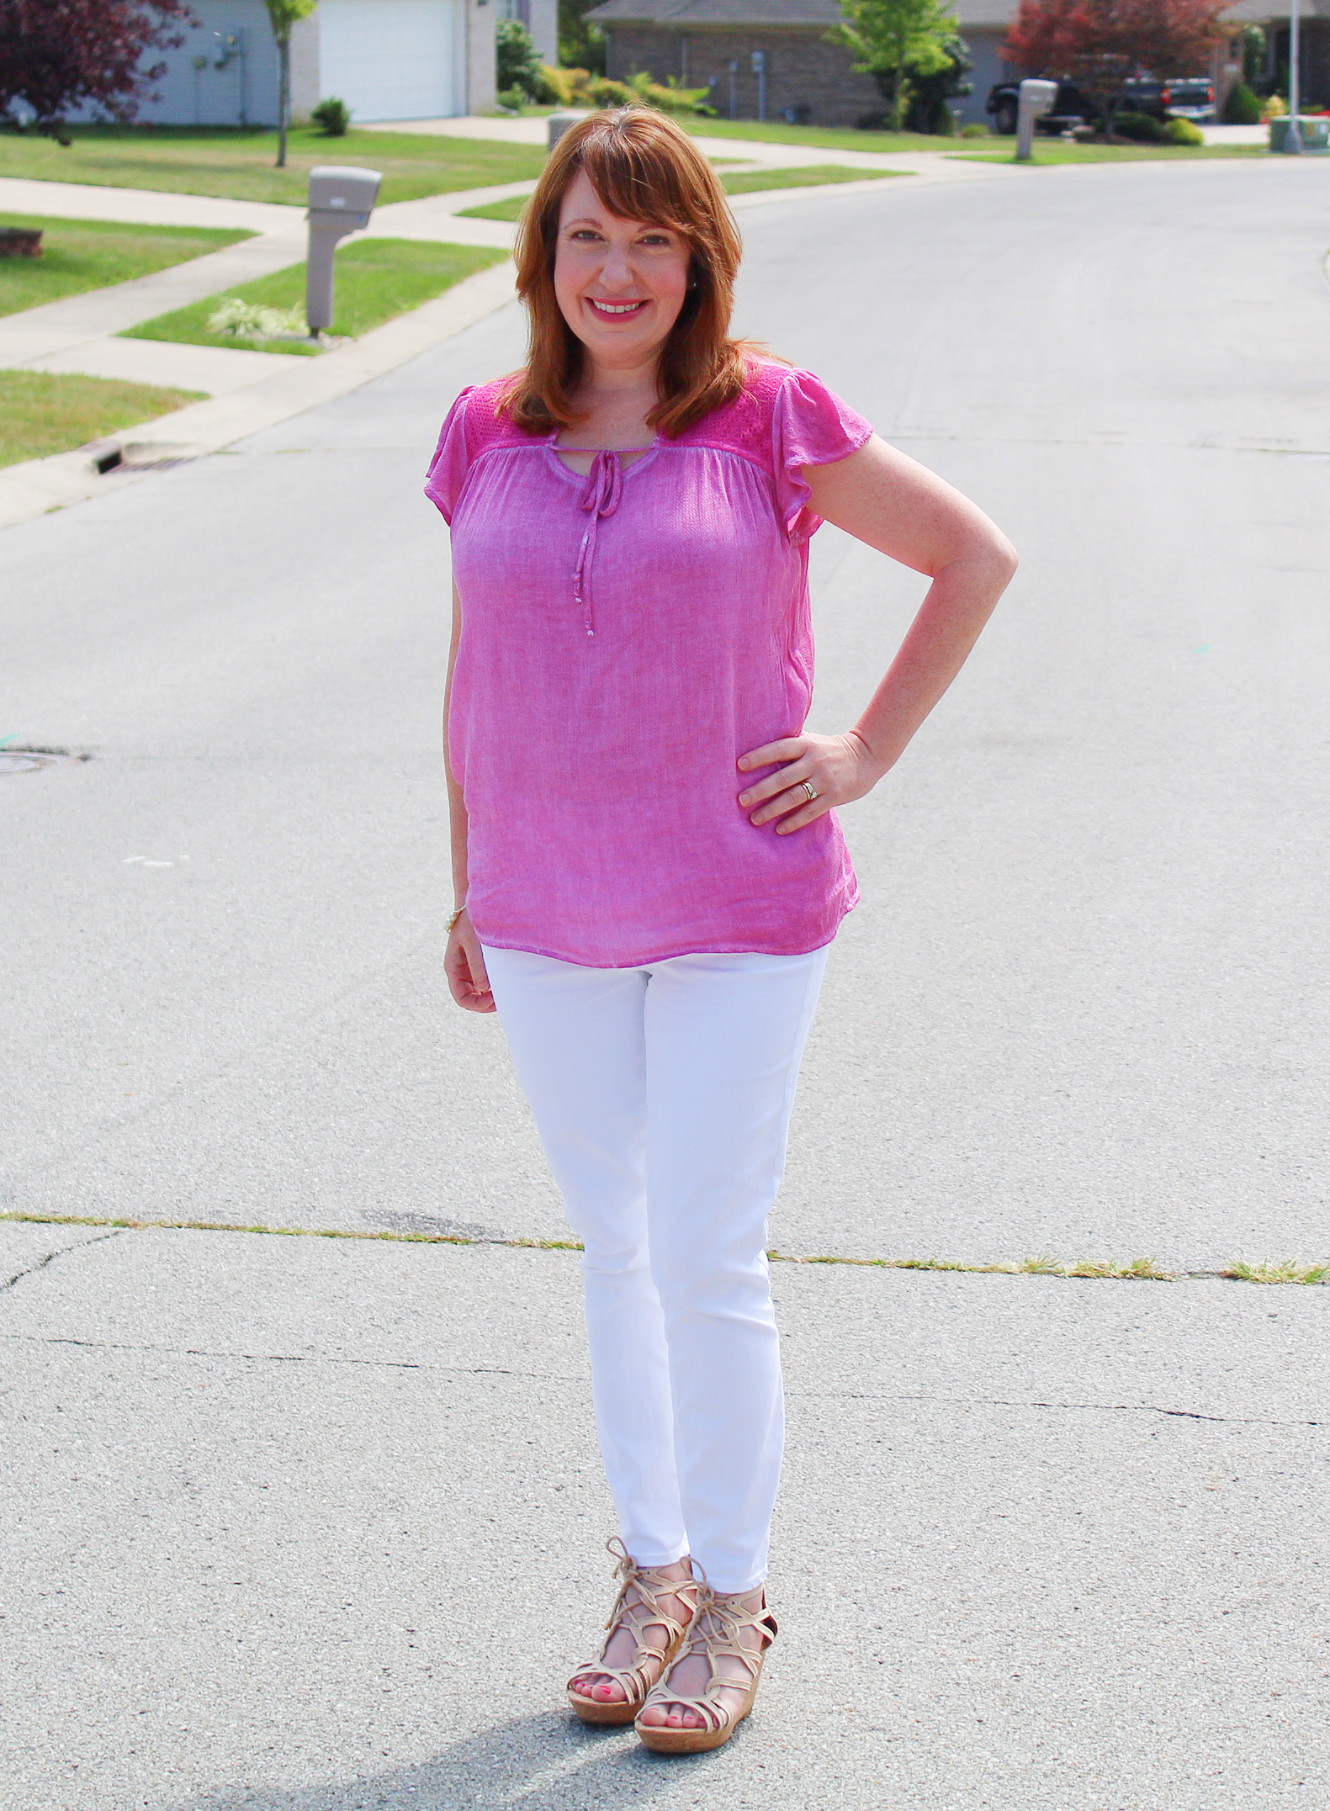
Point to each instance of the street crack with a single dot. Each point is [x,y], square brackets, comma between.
[51,1256]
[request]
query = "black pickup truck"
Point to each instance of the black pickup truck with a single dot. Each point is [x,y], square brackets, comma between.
[1190,97]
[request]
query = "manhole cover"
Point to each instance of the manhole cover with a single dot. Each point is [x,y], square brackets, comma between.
[28,760]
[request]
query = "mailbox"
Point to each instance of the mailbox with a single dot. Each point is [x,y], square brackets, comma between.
[1036,98]
[341,201]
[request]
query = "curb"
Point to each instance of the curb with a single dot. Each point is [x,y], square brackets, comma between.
[39,485]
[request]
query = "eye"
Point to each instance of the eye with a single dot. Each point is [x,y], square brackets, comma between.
[584,233]
[657,239]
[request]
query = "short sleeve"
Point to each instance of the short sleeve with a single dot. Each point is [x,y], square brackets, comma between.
[809,426]
[452,459]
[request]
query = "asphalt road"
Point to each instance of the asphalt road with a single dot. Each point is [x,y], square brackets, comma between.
[297,1524]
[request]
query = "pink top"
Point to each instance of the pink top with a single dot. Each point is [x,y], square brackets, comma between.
[626,636]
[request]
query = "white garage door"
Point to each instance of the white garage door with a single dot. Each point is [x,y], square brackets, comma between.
[391,59]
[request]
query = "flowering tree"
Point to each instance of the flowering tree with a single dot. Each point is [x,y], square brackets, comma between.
[1100,44]
[895,39]
[59,55]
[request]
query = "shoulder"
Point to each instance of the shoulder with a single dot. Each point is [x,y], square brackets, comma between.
[480,415]
[750,424]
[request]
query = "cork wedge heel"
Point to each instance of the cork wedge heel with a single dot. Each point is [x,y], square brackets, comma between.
[637,1609]
[715,1634]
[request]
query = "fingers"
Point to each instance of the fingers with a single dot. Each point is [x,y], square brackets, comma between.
[789,749]
[464,967]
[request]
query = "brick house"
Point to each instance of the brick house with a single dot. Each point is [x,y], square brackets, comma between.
[713,43]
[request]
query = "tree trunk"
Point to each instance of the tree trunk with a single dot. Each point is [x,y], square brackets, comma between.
[283,96]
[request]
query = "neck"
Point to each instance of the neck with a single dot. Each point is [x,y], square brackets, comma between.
[618,387]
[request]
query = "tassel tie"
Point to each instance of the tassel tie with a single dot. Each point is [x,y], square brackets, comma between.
[600,498]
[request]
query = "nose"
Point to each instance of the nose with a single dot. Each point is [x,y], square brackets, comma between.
[616,272]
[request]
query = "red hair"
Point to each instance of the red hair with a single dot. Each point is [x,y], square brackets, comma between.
[643,167]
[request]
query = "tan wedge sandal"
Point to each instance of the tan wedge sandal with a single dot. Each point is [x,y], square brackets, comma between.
[718,1623]
[637,1609]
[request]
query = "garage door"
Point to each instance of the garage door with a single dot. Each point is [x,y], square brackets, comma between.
[391,59]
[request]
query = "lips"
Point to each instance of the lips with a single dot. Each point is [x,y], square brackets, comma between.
[614,311]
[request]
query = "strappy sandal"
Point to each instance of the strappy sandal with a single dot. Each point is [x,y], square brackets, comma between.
[714,1634]
[648,1585]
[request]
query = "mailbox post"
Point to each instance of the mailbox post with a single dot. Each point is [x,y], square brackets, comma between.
[340,202]
[1036,98]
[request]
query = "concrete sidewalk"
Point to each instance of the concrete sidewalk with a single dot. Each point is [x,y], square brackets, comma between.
[316,1525]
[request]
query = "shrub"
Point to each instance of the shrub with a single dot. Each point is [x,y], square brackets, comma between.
[1241,107]
[602,92]
[516,64]
[1141,127]
[239,320]
[974,130]
[668,97]
[1184,132]
[512,100]
[558,85]
[332,117]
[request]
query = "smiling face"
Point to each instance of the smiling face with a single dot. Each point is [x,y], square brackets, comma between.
[620,284]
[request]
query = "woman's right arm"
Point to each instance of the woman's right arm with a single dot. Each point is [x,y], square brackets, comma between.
[463,961]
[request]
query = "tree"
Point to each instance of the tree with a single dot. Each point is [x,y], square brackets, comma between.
[57,56]
[516,61]
[895,40]
[927,110]
[581,41]
[282,15]
[1101,44]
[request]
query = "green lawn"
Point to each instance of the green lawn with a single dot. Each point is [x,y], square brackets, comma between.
[42,413]
[741,182]
[827,138]
[1055,152]
[239,164]
[78,255]
[376,279]
[744,182]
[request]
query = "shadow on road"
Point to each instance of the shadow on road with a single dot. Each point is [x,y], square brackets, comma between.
[547,1762]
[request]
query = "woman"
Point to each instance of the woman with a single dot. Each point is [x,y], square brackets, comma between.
[647,865]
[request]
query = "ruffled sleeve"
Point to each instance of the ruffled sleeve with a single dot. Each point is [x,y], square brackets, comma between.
[452,459]
[810,426]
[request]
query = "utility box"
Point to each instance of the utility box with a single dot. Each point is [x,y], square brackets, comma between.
[341,201]
[1036,97]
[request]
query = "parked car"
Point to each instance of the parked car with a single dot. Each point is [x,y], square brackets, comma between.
[1071,108]
[1188,97]
[1181,97]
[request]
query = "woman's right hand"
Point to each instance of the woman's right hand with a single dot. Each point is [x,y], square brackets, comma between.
[464,965]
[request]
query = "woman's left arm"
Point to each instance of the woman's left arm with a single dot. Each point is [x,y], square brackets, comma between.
[892,503]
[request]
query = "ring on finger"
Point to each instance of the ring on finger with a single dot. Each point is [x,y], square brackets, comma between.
[810,789]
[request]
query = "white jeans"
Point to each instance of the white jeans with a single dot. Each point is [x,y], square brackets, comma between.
[662,1095]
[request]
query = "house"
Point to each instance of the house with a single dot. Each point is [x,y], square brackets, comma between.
[387,59]
[770,59]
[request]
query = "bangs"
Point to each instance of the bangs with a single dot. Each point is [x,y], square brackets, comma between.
[639,181]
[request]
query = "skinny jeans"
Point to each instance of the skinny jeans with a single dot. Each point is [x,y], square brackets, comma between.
[662,1095]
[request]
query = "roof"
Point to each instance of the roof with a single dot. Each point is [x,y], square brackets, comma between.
[971,14]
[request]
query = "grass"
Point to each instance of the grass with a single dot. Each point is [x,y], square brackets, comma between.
[1144,1269]
[741,182]
[745,182]
[240,163]
[43,413]
[78,255]
[1289,1271]
[376,280]
[826,138]
[1058,153]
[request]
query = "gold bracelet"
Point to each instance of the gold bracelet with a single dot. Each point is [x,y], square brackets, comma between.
[452,919]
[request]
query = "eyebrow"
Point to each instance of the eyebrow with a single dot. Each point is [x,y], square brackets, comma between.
[653,226]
